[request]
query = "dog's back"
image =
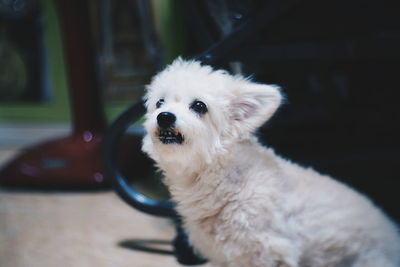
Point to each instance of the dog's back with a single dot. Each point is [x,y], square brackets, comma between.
[336,223]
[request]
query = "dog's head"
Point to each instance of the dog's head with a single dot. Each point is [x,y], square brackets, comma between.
[194,112]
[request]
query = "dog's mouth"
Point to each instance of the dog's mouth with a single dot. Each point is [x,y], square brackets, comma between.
[169,136]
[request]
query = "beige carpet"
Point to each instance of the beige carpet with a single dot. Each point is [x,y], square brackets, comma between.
[75,229]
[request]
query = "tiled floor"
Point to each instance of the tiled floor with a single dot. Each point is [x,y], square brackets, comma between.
[74,229]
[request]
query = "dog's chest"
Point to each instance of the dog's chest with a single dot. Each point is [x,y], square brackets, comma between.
[207,231]
[205,209]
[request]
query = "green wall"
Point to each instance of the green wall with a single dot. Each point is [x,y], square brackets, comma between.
[58,108]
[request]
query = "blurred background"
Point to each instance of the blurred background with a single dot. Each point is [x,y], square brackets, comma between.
[69,68]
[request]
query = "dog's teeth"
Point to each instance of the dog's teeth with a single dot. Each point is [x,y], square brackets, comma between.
[170,136]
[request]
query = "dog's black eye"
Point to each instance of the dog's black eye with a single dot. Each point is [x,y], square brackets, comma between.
[160,103]
[198,107]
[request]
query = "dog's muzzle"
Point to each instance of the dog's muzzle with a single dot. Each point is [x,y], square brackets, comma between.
[167,134]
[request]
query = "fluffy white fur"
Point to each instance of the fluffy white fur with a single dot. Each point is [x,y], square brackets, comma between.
[242,204]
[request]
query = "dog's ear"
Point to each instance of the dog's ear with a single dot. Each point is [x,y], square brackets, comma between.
[252,105]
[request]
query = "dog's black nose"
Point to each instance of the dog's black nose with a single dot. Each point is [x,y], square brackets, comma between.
[166,119]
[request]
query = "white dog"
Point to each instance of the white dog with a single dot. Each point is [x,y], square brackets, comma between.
[242,204]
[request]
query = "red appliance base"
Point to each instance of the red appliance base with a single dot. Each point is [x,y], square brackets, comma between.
[73,162]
